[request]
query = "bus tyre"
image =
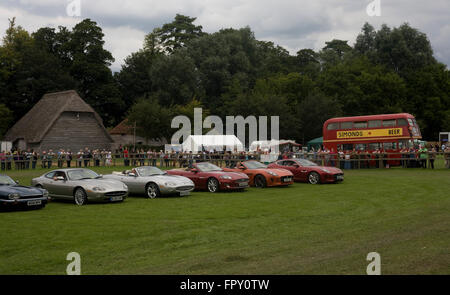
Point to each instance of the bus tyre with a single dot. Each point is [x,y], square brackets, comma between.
[314,178]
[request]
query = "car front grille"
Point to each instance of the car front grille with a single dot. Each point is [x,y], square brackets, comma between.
[185,188]
[30,197]
[116,194]
[286,178]
[241,180]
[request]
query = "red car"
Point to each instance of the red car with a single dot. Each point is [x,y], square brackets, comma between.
[307,171]
[211,177]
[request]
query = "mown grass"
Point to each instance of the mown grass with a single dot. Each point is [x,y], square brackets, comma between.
[403,214]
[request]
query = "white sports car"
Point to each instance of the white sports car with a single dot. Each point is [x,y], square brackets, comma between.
[153,182]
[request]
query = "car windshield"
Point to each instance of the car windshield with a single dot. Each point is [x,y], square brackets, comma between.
[254,165]
[208,167]
[305,163]
[149,171]
[6,180]
[82,174]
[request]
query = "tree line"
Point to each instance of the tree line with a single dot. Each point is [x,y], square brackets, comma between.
[228,72]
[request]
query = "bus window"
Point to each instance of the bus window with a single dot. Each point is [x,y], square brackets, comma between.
[361,146]
[333,126]
[388,123]
[389,145]
[347,147]
[346,125]
[402,122]
[375,123]
[373,146]
[410,122]
[360,125]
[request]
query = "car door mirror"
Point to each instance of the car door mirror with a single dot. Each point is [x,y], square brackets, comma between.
[242,167]
[194,170]
[132,174]
[17,182]
[295,165]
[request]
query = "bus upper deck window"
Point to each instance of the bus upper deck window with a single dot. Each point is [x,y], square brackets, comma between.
[388,123]
[402,122]
[360,124]
[346,125]
[410,122]
[375,123]
[333,126]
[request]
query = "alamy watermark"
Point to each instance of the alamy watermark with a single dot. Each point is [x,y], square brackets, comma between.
[374,8]
[374,267]
[235,125]
[73,8]
[74,267]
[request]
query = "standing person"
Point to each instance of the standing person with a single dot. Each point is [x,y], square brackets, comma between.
[86,157]
[50,156]
[126,159]
[161,158]
[108,159]
[432,157]
[79,158]
[68,158]
[60,155]
[423,155]
[44,159]
[34,159]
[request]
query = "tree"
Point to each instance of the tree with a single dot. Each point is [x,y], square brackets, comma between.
[90,68]
[6,118]
[174,35]
[152,119]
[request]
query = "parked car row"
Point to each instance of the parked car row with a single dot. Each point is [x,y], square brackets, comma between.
[82,185]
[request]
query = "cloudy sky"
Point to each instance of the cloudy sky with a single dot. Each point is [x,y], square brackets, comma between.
[293,24]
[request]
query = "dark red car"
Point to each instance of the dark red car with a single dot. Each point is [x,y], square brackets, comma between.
[307,171]
[211,177]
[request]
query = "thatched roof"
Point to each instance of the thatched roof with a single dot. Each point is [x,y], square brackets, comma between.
[122,128]
[37,122]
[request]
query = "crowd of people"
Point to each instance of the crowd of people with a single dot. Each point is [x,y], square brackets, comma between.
[413,157]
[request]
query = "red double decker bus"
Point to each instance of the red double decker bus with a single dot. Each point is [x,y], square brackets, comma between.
[368,133]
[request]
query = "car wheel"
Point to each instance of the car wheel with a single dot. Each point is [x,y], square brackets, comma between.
[260,181]
[314,178]
[80,197]
[152,191]
[213,185]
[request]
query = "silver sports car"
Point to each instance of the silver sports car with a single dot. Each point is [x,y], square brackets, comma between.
[81,186]
[153,182]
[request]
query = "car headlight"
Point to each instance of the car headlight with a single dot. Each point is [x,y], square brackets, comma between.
[225,177]
[98,189]
[272,173]
[325,170]
[125,186]
[13,196]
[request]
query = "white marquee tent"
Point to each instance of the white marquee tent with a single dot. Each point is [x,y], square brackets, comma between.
[196,143]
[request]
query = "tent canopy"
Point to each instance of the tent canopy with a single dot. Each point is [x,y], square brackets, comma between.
[268,144]
[196,143]
[316,143]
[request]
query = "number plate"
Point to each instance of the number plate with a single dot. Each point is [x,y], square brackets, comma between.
[243,183]
[34,203]
[287,179]
[115,199]
[340,177]
[184,193]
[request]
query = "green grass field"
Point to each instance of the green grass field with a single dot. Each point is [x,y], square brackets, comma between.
[403,214]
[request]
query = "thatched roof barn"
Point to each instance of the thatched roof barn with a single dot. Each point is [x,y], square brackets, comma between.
[61,120]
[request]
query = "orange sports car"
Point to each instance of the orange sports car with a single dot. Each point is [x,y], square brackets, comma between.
[261,176]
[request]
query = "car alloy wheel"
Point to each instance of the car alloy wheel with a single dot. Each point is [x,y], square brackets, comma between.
[152,191]
[260,181]
[80,197]
[213,185]
[313,178]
